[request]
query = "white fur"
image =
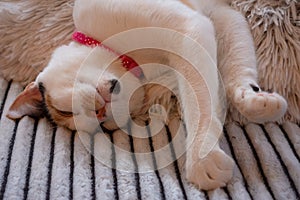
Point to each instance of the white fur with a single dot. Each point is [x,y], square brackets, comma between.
[188,33]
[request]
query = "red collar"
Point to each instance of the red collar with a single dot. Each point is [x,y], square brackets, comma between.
[127,61]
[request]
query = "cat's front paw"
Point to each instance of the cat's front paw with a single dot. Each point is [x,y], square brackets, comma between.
[211,172]
[259,106]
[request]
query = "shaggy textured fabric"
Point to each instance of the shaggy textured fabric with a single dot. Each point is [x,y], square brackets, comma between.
[40,162]
[29,33]
[275,27]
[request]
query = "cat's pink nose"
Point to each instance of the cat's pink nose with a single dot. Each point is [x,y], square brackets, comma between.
[108,88]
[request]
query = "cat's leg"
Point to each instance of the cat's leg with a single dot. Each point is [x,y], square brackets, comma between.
[207,165]
[237,64]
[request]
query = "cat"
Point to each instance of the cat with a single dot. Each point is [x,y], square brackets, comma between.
[86,84]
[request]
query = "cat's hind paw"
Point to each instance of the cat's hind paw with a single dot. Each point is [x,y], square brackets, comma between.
[211,172]
[258,106]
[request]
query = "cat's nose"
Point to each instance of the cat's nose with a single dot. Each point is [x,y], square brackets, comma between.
[115,87]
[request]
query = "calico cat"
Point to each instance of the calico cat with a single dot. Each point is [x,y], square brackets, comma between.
[87,82]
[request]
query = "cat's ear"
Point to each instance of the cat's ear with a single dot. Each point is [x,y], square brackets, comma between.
[29,102]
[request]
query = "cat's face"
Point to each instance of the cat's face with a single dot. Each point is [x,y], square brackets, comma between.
[81,88]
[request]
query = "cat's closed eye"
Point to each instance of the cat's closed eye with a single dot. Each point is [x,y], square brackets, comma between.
[65,113]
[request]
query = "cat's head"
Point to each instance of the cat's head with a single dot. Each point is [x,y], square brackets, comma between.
[80,88]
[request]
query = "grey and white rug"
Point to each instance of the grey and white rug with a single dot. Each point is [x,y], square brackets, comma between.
[38,161]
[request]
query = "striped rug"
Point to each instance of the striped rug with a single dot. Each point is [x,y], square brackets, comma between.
[38,161]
